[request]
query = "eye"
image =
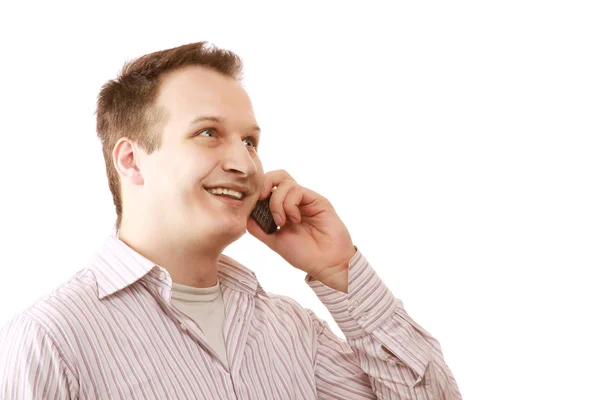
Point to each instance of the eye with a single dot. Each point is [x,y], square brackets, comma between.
[205,130]
[213,131]
[253,141]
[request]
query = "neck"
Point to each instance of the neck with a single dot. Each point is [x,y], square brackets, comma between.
[189,263]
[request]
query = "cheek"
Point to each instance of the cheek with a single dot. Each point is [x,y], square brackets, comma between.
[190,174]
[259,168]
[168,178]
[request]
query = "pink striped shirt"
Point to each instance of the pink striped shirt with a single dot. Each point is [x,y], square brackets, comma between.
[111,332]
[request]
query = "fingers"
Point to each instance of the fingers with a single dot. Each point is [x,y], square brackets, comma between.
[273,178]
[286,200]
[288,196]
[291,204]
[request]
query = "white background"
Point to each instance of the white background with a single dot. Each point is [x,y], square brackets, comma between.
[458,141]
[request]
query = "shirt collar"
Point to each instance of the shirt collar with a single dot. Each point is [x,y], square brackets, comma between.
[117,266]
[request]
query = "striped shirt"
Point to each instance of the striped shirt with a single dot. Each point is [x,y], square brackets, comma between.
[111,332]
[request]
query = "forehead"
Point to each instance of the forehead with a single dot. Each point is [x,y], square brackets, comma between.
[192,91]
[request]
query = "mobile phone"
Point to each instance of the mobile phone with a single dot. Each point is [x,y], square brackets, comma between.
[263,216]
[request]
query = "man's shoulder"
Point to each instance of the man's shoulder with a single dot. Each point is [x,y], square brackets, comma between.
[280,301]
[56,309]
[285,307]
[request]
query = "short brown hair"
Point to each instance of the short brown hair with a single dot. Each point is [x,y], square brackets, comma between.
[127,105]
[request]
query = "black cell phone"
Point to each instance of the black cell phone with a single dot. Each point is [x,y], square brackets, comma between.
[263,216]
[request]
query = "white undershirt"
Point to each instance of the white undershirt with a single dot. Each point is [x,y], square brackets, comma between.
[205,306]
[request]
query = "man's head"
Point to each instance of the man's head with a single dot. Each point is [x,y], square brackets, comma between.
[172,124]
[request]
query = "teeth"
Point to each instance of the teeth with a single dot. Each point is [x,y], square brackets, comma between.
[229,192]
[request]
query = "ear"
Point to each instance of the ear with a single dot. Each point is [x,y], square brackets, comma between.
[126,161]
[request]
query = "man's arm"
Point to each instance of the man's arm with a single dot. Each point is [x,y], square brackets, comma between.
[31,366]
[385,348]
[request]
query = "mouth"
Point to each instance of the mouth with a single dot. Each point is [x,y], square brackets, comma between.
[228,199]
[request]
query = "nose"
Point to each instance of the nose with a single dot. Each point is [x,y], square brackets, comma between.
[239,160]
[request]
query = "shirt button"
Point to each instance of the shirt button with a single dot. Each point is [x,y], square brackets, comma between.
[183,328]
[356,303]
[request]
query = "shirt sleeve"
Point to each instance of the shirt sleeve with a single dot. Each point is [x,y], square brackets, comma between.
[31,366]
[387,355]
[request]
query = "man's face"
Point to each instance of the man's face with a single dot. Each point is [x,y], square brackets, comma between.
[209,140]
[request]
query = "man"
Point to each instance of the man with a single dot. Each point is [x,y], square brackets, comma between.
[161,313]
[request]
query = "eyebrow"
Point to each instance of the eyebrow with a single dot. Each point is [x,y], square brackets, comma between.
[253,128]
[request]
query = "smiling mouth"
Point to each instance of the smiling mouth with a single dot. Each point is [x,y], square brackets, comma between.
[229,200]
[228,196]
[227,193]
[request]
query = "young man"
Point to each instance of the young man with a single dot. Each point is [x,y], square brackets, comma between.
[161,313]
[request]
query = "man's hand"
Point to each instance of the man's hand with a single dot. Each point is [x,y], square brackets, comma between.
[311,237]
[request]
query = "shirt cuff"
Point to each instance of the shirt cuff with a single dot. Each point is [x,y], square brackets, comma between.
[367,305]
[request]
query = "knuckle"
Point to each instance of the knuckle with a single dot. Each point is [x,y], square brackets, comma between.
[285,174]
